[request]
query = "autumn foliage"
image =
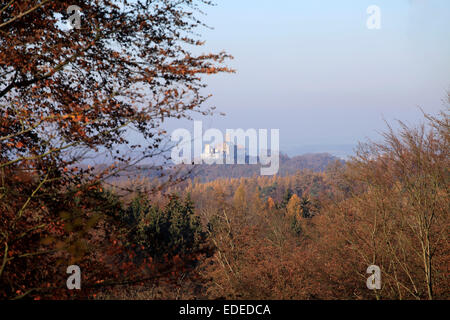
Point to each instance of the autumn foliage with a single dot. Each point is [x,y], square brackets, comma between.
[70,98]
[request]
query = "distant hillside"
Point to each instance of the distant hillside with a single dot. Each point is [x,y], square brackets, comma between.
[288,166]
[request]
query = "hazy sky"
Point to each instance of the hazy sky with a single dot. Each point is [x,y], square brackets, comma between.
[314,70]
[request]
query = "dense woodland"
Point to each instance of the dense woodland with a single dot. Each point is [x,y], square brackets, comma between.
[312,235]
[67,97]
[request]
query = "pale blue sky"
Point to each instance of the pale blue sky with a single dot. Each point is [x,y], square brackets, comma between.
[314,70]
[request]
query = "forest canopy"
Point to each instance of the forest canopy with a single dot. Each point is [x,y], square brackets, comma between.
[68,95]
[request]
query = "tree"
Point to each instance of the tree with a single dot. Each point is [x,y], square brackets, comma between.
[396,215]
[293,207]
[286,198]
[305,206]
[240,198]
[270,203]
[68,96]
[163,232]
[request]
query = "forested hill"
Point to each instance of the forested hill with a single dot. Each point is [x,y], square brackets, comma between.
[288,166]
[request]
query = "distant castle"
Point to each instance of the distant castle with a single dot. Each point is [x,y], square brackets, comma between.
[224,150]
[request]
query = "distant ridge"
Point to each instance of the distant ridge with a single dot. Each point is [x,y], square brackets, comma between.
[316,162]
[288,166]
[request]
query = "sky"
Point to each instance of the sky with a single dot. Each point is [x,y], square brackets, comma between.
[313,69]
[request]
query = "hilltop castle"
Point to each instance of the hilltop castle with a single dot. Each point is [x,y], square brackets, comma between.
[224,150]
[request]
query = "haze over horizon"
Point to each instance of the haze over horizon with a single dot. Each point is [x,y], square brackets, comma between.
[315,71]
